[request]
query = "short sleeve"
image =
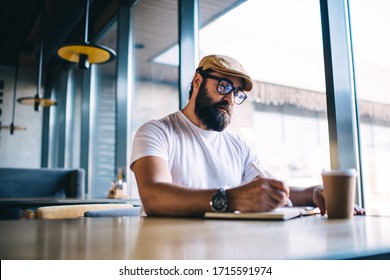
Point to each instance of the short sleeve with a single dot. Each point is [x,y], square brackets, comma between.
[150,140]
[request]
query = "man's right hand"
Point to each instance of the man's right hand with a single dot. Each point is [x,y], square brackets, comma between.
[261,194]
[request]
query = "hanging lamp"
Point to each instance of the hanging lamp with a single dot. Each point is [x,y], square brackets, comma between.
[37,100]
[13,127]
[86,53]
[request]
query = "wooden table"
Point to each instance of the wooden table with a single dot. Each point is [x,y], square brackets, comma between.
[312,237]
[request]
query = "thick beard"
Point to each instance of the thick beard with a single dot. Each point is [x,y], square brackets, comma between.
[211,114]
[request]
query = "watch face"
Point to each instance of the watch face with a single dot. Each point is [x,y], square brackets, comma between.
[219,202]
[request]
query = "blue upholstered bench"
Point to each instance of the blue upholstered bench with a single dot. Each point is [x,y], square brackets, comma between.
[39,183]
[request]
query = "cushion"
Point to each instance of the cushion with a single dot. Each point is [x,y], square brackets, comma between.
[73,211]
[119,212]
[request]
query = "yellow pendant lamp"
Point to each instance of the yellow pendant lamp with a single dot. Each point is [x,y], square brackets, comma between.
[86,53]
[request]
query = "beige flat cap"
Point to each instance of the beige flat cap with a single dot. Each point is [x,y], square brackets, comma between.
[226,65]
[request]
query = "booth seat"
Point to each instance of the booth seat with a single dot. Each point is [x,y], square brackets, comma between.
[39,183]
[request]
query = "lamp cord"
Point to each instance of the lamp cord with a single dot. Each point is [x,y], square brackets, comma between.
[86,21]
[15,83]
[41,52]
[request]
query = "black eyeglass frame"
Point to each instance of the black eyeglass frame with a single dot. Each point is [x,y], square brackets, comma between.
[219,79]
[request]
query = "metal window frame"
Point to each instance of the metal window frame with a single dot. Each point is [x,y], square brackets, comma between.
[340,89]
[123,87]
[188,45]
[87,124]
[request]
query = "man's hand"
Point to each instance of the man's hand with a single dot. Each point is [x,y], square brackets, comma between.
[319,198]
[319,201]
[259,195]
[359,211]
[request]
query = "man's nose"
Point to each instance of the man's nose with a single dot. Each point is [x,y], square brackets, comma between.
[229,97]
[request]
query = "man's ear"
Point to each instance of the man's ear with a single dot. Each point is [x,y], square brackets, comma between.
[197,80]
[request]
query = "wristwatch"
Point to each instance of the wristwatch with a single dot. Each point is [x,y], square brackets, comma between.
[220,201]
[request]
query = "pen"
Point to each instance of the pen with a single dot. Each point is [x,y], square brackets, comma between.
[262,174]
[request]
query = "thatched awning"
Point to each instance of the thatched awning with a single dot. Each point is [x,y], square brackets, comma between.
[279,95]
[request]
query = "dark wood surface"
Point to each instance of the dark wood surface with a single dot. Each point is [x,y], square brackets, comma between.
[37,202]
[313,237]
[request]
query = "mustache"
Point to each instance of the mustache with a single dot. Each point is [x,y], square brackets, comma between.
[223,104]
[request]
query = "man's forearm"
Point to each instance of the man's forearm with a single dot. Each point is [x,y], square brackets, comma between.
[166,199]
[302,196]
[161,197]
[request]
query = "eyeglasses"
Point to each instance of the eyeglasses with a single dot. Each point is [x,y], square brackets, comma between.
[225,87]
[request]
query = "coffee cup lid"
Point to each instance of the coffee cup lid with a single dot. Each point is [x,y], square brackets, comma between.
[340,172]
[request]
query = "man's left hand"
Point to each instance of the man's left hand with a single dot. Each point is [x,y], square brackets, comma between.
[319,200]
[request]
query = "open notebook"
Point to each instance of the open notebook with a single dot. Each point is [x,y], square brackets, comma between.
[283,214]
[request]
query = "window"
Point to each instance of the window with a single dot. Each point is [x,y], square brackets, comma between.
[104,127]
[155,85]
[279,44]
[370,26]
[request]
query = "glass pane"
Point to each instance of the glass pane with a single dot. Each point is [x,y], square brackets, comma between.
[279,43]
[370,25]
[73,123]
[55,114]
[155,86]
[65,119]
[104,128]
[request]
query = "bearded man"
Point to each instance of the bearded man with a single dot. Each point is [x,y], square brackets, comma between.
[187,164]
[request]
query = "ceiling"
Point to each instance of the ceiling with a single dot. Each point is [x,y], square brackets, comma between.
[155,33]
[64,22]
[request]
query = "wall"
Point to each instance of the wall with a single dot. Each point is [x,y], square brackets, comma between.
[23,148]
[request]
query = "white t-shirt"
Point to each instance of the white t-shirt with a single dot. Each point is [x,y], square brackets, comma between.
[197,158]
